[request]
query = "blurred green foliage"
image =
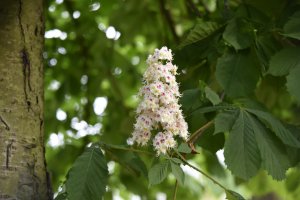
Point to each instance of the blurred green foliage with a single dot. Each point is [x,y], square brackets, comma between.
[96,50]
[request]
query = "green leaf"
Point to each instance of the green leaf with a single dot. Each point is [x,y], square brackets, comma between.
[87,179]
[158,172]
[241,151]
[283,61]
[251,145]
[190,99]
[177,172]
[176,160]
[237,74]
[293,82]
[273,154]
[201,31]
[266,46]
[209,109]
[184,148]
[231,195]
[225,120]
[238,34]
[275,125]
[292,27]
[212,96]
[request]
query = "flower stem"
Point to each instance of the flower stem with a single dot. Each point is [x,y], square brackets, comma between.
[175,190]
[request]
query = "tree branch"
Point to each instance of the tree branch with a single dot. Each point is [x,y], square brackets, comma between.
[198,132]
[107,146]
[166,13]
[194,8]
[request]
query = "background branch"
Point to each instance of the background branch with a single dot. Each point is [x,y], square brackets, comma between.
[167,15]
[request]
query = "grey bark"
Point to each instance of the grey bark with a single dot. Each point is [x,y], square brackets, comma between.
[23,172]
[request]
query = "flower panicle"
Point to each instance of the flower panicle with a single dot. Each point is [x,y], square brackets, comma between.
[159,110]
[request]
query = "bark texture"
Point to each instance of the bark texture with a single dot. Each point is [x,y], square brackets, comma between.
[22,162]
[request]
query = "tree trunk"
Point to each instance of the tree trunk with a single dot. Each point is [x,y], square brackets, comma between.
[22,161]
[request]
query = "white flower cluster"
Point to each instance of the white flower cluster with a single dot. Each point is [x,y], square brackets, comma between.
[159,110]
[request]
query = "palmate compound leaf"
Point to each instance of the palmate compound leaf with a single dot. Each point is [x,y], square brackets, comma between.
[201,31]
[158,172]
[87,179]
[241,152]
[237,73]
[273,153]
[276,126]
[251,145]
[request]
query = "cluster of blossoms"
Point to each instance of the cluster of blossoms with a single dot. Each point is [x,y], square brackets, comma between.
[159,110]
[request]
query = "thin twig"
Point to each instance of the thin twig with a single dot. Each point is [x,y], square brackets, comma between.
[175,190]
[203,173]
